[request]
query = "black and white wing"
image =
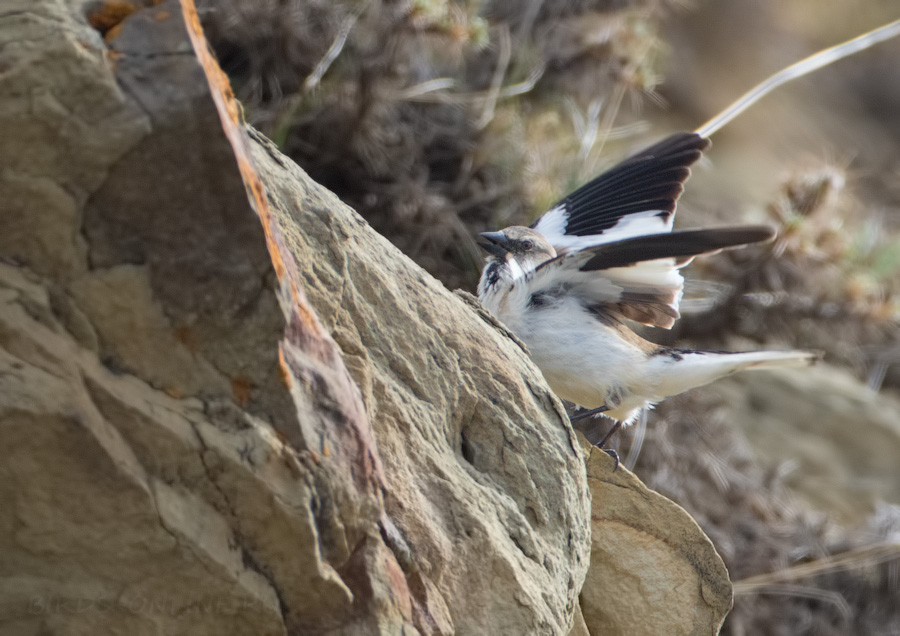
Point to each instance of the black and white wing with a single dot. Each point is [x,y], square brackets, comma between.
[637,278]
[634,198]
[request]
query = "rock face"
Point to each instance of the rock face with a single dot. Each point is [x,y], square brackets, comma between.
[653,571]
[186,456]
[189,452]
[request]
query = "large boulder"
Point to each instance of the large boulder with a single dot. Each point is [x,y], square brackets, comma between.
[227,405]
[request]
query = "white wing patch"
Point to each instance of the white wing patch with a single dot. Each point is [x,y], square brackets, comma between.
[553,225]
[660,274]
[636,197]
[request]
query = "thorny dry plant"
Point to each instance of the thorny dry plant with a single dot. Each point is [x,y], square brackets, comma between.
[795,572]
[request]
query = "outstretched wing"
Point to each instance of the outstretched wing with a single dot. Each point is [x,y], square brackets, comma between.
[637,277]
[634,198]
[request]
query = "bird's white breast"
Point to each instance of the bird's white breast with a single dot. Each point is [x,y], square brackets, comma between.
[583,359]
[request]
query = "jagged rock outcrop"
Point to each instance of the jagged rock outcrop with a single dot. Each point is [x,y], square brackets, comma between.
[188,451]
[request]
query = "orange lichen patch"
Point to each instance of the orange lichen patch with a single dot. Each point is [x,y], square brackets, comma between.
[185,335]
[302,322]
[230,114]
[159,16]
[241,390]
[257,196]
[283,369]
[173,393]
[215,76]
[112,33]
[110,13]
[306,315]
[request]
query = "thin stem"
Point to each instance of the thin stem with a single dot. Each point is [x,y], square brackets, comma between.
[799,69]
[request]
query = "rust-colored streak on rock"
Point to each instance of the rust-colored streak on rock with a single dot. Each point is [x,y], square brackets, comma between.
[398,583]
[303,330]
[283,370]
[230,114]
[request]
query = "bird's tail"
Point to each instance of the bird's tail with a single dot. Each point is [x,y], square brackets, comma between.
[685,370]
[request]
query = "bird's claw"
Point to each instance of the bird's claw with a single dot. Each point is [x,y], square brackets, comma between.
[612,453]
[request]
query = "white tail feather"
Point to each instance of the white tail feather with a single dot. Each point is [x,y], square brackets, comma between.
[682,371]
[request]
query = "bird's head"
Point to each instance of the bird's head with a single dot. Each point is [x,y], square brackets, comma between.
[520,247]
[514,253]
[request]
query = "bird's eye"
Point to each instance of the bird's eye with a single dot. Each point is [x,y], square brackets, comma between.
[527,245]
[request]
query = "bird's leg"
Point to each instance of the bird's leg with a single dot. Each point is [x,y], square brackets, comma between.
[610,434]
[611,451]
[591,413]
[586,414]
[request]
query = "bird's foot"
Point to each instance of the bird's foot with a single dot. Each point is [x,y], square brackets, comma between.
[615,455]
[609,451]
[589,432]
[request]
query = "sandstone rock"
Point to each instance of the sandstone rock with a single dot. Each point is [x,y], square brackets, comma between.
[484,475]
[236,414]
[653,571]
[188,453]
[111,519]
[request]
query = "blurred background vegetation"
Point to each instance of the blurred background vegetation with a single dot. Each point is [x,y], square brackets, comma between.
[438,119]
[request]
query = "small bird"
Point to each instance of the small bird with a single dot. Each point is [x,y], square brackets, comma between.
[605,256]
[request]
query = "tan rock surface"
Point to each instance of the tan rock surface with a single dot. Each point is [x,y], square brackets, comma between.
[190,452]
[165,472]
[110,518]
[653,571]
[487,500]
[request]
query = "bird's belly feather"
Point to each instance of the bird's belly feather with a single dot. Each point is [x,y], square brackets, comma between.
[583,360]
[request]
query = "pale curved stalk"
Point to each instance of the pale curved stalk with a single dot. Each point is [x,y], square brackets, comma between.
[799,69]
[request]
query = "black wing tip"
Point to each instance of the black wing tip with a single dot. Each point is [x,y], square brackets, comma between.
[680,244]
[747,234]
[727,236]
[691,140]
[655,175]
[677,144]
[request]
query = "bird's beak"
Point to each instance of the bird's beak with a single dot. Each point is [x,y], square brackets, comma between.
[495,243]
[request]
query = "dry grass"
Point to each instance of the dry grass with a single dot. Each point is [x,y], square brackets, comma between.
[435,119]
[795,572]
